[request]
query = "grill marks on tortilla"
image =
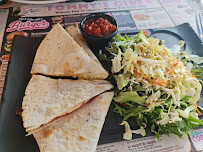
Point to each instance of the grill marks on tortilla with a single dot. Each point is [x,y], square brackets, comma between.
[81,138]
[68,70]
[47,133]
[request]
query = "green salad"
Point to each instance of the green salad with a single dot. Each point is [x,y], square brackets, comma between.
[156,86]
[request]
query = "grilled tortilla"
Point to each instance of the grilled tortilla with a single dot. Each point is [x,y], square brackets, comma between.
[59,55]
[78,131]
[47,99]
[75,33]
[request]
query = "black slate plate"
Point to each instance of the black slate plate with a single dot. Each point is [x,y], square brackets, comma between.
[12,134]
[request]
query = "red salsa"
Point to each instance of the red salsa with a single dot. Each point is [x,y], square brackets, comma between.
[99,27]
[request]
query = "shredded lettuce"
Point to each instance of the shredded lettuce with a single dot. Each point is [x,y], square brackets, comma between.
[196,59]
[121,80]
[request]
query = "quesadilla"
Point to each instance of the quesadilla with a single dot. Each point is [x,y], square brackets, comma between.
[75,33]
[78,131]
[59,55]
[48,99]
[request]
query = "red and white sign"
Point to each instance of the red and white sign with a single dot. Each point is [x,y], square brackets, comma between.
[28,25]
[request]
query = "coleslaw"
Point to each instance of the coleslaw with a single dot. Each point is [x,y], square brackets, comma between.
[156,86]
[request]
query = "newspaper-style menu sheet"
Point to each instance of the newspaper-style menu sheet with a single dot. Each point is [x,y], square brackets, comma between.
[180,12]
[149,144]
[4,63]
[3,19]
[151,18]
[131,16]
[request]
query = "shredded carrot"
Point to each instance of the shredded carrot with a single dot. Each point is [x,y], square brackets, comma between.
[142,48]
[158,101]
[197,109]
[186,90]
[174,66]
[138,73]
[163,82]
[195,105]
[192,75]
[176,63]
[164,52]
[138,61]
[199,112]
[158,82]
[169,71]
[145,32]
[147,104]
[146,76]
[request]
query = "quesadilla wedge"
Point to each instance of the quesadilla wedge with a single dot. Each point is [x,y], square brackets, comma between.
[78,131]
[59,55]
[48,99]
[75,33]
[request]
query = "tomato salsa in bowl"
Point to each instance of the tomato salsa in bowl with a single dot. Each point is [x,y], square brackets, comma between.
[98,29]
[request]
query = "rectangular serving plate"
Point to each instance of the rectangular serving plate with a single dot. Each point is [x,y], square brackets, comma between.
[12,133]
